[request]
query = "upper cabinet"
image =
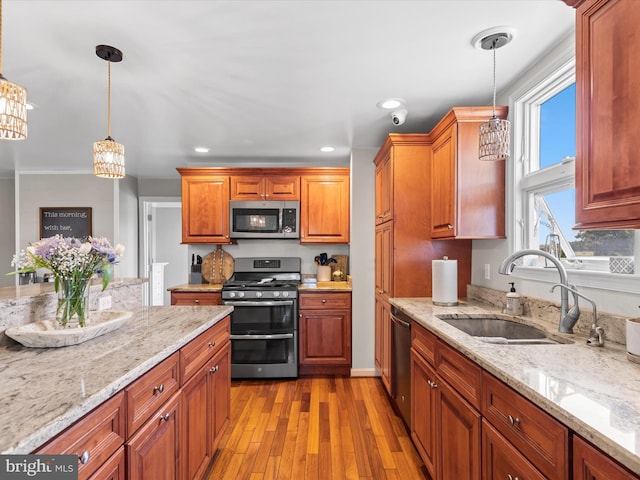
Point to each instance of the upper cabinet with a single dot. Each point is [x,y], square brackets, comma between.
[324,206]
[608,105]
[384,188]
[467,194]
[205,206]
[265,187]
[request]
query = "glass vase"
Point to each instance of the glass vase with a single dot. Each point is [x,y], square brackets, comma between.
[73,302]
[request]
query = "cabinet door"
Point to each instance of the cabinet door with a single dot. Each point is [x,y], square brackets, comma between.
[384,259]
[500,460]
[608,103]
[195,439]
[378,332]
[459,428]
[590,463]
[282,187]
[247,187]
[384,190]
[325,337]
[385,345]
[220,393]
[152,452]
[205,209]
[112,469]
[324,205]
[423,410]
[443,185]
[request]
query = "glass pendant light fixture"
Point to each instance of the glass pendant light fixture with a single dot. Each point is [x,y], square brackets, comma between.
[495,133]
[13,104]
[108,155]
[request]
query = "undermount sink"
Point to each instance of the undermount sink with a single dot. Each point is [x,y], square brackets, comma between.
[494,329]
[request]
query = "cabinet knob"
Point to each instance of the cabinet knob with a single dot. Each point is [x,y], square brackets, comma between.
[159,388]
[214,369]
[324,300]
[380,216]
[197,301]
[450,227]
[432,384]
[165,417]
[509,477]
[515,421]
[212,344]
[84,457]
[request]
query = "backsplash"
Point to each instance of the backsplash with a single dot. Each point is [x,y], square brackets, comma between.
[549,313]
[36,302]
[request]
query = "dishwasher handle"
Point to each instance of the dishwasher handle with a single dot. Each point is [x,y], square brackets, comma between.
[400,322]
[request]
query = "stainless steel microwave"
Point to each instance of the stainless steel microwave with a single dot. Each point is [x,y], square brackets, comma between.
[258,219]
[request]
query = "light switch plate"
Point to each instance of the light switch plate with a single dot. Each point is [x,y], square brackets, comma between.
[104,302]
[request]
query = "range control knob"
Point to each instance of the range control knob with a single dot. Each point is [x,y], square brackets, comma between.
[240,294]
[285,294]
[232,294]
[258,294]
[276,294]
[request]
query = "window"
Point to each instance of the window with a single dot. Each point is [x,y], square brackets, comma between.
[547,182]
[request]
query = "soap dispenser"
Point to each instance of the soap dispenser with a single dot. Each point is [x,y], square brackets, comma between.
[513,306]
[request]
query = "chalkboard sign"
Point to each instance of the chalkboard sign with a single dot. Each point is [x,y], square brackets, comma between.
[65,221]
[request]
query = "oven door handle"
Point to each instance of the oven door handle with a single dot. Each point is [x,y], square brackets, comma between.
[275,336]
[258,304]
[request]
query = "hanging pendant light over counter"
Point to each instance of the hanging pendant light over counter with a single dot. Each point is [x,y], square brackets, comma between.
[108,155]
[495,133]
[13,104]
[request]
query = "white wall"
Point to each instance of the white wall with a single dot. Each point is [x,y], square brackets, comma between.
[126,226]
[7,230]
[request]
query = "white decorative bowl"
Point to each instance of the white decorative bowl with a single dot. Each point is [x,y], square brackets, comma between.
[46,334]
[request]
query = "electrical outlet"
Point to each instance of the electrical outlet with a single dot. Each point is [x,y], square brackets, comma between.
[104,302]
[487,271]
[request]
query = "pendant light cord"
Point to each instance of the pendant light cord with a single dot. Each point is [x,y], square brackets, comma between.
[0,38]
[494,48]
[109,98]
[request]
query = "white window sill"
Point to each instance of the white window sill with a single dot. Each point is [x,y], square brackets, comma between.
[624,283]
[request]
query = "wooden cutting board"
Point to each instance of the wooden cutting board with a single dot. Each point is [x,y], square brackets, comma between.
[341,264]
[217,266]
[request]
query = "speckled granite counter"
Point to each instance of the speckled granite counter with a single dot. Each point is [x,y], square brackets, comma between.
[593,391]
[196,287]
[45,390]
[310,288]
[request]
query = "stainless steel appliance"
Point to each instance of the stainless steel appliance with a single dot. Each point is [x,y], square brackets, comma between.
[401,358]
[264,321]
[258,219]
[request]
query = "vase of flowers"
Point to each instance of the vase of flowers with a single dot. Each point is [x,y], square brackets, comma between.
[73,263]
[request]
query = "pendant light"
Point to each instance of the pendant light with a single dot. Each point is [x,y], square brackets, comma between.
[495,133]
[13,104]
[108,155]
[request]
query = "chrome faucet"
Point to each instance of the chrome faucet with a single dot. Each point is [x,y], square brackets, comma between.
[596,336]
[568,318]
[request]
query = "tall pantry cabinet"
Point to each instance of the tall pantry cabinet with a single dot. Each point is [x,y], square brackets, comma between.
[403,246]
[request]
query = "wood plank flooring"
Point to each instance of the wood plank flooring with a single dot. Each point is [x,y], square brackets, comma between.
[314,428]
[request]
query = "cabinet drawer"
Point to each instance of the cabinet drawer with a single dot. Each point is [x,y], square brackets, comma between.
[198,351]
[540,438]
[461,373]
[325,300]
[97,436]
[424,342]
[500,460]
[182,299]
[112,469]
[149,392]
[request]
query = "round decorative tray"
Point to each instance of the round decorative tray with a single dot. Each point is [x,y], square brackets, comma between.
[217,266]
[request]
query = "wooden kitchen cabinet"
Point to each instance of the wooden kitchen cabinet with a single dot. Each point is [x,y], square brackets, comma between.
[265,187]
[95,439]
[383,341]
[325,333]
[384,259]
[467,195]
[589,463]
[384,189]
[608,105]
[423,410]
[205,206]
[196,298]
[112,469]
[153,451]
[325,206]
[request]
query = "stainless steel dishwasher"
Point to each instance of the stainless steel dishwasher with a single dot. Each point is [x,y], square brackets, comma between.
[401,364]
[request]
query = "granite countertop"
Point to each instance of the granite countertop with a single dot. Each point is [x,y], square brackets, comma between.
[314,288]
[593,391]
[196,287]
[42,288]
[46,390]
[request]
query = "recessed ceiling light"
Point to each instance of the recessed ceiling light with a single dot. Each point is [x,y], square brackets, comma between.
[391,103]
[327,149]
[201,149]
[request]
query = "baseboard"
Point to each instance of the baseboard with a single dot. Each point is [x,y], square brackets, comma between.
[364,372]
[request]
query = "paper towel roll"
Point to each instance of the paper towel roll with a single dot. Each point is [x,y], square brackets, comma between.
[633,336]
[444,281]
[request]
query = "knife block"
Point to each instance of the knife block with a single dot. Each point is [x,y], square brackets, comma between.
[195,276]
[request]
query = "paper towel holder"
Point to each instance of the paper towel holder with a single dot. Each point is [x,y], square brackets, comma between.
[438,292]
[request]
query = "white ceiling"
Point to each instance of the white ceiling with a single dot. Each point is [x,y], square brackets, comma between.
[258,82]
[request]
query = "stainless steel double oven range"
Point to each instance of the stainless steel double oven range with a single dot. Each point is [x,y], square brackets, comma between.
[264,321]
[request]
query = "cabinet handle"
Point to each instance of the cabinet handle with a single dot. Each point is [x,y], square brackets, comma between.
[165,417]
[212,344]
[324,300]
[197,301]
[432,384]
[450,227]
[159,388]
[514,421]
[380,216]
[379,292]
[84,458]
[214,369]
[509,477]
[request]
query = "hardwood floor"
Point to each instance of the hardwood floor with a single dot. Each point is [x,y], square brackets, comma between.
[314,428]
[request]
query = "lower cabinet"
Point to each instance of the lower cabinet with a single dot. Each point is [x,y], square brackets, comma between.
[589,463]
[181,299]
[423,410]
[325,333]
[112,469]
[153,451]
[383,339]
